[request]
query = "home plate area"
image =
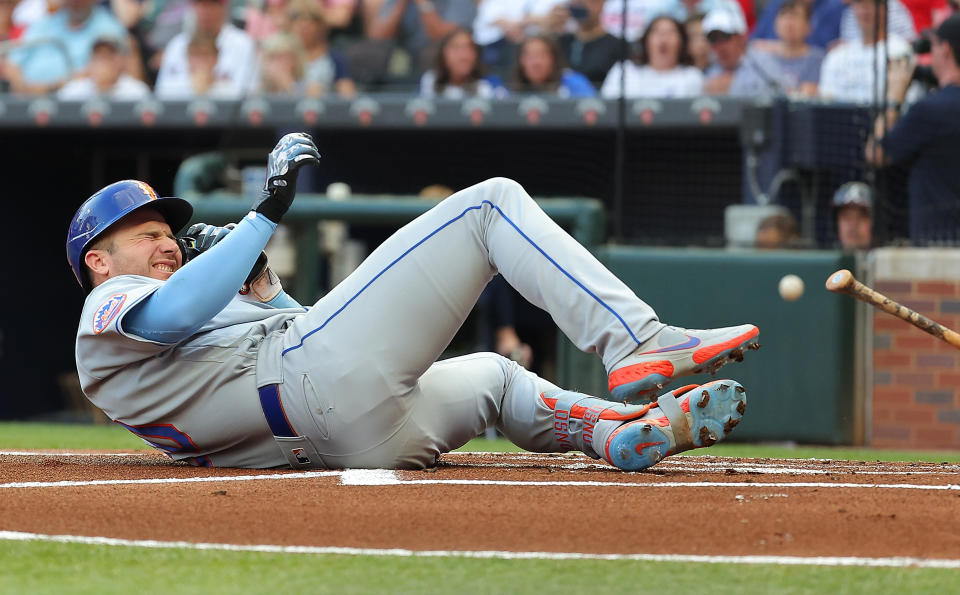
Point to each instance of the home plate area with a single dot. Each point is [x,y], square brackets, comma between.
[714,509]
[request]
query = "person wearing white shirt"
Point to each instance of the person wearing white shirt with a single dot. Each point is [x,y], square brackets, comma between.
[106,76]
[901,23]
[236,66]
[201,80]
[852,70]
[664,68]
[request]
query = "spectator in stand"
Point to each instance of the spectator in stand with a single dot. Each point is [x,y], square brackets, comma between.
[201,80]
[44,68]
[418,25]
[540,69]
[325,70]
[641,12]
[152,24]
[853,209]
[500,26]
[590,50]
[663,68]
[106,75]
[777,232]
[926,138]
[786,67]
[458,72]
[851,70]
[900,22]
[726,31]
[697,45]
[281,65]
[824,22]
[236,67]
[8,32]
[264,18]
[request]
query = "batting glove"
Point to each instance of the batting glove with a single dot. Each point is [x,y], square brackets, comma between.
[283,164]
[200,237]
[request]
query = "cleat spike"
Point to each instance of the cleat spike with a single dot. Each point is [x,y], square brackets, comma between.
[741,407]
[704,399]
[730,425]
[659,385]
[707,438]
[646,429]
[753,346]
[741,390]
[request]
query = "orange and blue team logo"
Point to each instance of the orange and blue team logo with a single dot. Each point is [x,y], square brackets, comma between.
[147,189]
[107,312]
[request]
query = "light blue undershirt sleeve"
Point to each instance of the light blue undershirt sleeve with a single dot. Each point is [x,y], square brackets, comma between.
[203,287]
[282,300]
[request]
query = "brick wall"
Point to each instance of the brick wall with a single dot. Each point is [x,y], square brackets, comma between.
[916,377]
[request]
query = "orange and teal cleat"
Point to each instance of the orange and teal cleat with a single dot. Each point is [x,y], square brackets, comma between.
[686,418]
[674,352]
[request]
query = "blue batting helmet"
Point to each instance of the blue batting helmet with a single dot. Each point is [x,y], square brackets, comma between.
[109,205]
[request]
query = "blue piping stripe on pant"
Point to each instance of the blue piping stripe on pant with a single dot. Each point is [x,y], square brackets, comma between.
[436,231]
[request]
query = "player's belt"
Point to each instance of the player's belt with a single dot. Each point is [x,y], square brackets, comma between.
[298,450]
[273,411]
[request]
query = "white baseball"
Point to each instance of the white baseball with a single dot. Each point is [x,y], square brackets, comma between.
[791,288]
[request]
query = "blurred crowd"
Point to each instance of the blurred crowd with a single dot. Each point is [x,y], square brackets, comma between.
[180,49]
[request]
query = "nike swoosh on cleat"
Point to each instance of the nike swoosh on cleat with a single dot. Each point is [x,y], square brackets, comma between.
[644,445]
[689,343]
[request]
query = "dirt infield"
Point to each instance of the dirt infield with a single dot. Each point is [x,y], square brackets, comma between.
[506,502]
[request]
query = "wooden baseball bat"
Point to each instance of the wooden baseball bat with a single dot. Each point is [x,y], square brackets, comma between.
[843,281]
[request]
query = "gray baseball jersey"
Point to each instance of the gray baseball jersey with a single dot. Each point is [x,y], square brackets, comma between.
[195,400]
[354,382]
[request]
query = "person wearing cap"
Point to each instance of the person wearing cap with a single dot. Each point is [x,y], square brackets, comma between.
[851,70]
[106,75]
[236,57]
[45,67]
[726,31]
[926,139]
[853,209]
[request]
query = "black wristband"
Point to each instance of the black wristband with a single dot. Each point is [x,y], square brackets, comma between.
[273,209]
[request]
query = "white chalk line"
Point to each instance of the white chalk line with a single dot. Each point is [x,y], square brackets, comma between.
[383,477]
[899,562]
[161,480]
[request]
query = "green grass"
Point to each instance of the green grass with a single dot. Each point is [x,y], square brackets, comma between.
[19,435]
[40,567]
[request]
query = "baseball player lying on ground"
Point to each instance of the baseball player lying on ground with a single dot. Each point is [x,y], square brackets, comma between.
[171,351]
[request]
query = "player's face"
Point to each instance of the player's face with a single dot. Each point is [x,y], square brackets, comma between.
[854,228]
[143,245]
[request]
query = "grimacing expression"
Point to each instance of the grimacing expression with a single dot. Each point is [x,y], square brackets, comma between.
[140,244]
